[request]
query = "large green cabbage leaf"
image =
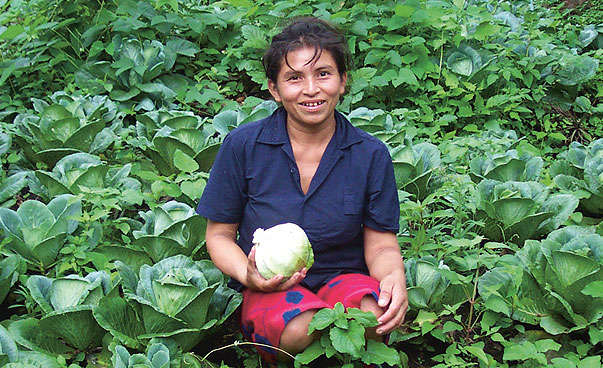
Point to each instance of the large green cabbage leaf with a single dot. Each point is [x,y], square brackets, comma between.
[67,304]
[550,282]
[176,298]
[37,231]
[517,211]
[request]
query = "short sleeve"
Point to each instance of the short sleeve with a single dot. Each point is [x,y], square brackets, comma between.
[382,212]
[225,195]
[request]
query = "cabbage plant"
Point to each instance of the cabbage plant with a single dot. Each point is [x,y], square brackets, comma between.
[10,269]
[426,284]
[149,123]
[176,298]
[580,171]
[37,231]
[506,167]
[158,356]
[170,229]
[8,347]
[282,250]
[490,141]
[68,125]
[554,283]
[414,166]
[67,304]
[76,172]
[516,211]
[140,74]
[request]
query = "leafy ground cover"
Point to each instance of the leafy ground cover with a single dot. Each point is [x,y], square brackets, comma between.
[111,114]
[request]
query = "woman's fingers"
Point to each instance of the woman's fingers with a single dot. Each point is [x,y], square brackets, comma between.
[295,279]
[394,294]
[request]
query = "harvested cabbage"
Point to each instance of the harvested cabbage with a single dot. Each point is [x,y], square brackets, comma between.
[282,250]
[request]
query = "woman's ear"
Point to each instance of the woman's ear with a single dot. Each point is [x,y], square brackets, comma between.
[274,90]
[344,81]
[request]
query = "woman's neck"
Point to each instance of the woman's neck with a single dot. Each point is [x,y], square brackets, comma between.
[311,135]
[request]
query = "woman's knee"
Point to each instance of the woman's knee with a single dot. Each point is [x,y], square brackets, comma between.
[369,304]
[295,338]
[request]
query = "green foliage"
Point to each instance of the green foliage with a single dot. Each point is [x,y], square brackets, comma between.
[10,268]
[170,229]
[414,166]
[70,124]
[515,211]
[111,114]
[345,339]
[580,171]
[176,298]
[37,231]
[554,283]
[66,305]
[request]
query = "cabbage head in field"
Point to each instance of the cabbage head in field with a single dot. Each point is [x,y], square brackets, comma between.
[282,250]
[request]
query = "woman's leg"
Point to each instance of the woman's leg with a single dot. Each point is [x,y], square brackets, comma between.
[279,319]
[354,291]
[295,338]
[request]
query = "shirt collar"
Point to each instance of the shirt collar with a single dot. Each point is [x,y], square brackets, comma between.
[275,130]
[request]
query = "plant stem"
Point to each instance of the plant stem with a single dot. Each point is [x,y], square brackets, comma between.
[472,301]
[238,343]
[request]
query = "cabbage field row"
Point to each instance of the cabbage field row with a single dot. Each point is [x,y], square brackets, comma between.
[111,113]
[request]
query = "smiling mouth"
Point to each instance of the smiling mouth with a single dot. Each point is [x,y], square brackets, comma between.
[312,104]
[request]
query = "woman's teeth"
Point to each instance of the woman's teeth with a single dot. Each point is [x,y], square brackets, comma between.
[312,104]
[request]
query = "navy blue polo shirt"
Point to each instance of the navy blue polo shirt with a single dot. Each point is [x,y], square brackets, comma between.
[255,182]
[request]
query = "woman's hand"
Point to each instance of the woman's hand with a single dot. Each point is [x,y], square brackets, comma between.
[392,296]
[257,282]
[384,261]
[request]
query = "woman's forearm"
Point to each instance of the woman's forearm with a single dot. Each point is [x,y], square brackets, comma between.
[224,251]
[382,254]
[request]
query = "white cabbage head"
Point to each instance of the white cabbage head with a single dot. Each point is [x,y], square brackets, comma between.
[282,250]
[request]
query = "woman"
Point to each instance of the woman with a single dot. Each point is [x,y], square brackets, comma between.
[306,164]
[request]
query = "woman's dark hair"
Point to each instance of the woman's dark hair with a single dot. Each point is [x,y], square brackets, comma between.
[306,32]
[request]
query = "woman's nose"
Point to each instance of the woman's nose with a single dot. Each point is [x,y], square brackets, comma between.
[310,86]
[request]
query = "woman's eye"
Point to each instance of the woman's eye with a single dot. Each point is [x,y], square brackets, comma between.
[293,78]
[324,74]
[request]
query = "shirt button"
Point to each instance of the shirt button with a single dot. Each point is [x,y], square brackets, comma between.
[292,171]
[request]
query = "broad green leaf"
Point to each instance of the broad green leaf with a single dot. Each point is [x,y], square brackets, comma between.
[594,289]
[205,158]
[12,185]
[11,32]
[522,351]
[321,320]
[309,354]
[571,267]
[5,143]
[82,138]
[545,345]
[350,341]
[76,326]
[67,292]
[379,353]
[36,221]
[119,318]
[8,346]
[184,162]
[512,210]
[34,359]
[405,76]
[477,350]
[590,362]
[366,319]
[28,333]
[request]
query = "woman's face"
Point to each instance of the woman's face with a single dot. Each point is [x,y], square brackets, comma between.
[309,92]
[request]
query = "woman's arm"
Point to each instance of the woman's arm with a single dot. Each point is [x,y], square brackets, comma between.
[230,259]
[384,261]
